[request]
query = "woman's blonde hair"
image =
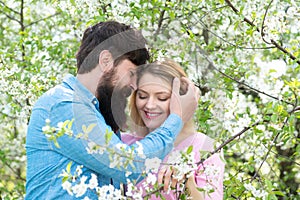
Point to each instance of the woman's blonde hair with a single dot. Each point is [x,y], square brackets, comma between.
[166,70]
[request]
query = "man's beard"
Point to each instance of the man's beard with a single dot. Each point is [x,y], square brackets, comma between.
[112,101]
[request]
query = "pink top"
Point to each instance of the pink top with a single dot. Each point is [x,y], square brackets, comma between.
[211,177]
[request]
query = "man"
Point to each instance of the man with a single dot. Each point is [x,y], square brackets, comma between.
[106,62]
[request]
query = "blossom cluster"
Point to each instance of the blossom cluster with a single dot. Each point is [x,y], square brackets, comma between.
[77,185]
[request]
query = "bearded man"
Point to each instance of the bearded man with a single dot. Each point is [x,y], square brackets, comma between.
[107,60]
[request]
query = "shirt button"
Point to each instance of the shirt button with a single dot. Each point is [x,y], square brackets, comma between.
[95,102]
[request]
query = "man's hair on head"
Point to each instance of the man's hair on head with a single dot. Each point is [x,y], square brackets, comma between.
[121,40]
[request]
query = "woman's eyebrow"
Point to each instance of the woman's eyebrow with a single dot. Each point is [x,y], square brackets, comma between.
[161,92]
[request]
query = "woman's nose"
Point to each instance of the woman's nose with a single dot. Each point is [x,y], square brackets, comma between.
[150,103]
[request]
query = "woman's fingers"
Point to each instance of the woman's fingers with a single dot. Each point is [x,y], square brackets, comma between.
[166,177]
[160,175]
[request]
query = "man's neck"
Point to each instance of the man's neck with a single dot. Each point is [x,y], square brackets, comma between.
[90,80]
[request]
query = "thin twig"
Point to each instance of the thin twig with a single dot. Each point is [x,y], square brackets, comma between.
[237,12]
[7,115]
[239,82]
[9,8]
[235,136]
[269,150]
[285,51]
[274,140]
[13,170]
[160,21]
[10,17]
[283,156]
[237,46]
[43,19]
[257,29]
[263,23]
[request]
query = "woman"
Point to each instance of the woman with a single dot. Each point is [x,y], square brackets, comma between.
[149,107]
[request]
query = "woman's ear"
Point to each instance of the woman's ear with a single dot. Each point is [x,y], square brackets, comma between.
[106,61]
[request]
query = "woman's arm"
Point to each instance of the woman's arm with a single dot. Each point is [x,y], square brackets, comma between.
[192,189]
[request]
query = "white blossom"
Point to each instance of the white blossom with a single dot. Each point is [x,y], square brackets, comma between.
[152,164]
[68,187]
[93,183]
[80,189]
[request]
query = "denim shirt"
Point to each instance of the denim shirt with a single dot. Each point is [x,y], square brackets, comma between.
[45,161]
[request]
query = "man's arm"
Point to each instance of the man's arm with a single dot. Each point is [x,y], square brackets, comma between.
[157,144]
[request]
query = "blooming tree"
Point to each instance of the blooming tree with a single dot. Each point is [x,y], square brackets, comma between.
[243,55]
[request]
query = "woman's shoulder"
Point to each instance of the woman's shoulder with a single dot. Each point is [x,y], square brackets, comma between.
[203,142]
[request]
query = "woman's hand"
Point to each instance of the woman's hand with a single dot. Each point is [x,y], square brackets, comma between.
[165,177]
[191,186]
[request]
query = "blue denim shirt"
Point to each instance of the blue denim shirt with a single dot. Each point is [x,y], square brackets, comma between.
[71,100]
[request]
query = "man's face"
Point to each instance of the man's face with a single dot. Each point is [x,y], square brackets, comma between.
[112,92]
[125,76]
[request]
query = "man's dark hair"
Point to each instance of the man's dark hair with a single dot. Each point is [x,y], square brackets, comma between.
[121,40]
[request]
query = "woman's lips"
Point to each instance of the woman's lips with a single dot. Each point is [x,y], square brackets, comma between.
[151,115]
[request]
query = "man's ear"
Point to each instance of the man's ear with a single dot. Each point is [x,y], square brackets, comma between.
[106,61]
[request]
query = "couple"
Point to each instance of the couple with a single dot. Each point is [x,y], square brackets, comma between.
[109,55]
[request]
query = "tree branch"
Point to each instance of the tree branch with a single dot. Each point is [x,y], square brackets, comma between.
[10,17]
[235,136]
[237,12]
[263,23]
[237,46]
[160,21]
[239,82]
[257,29]
[285,51]
[43,19]
[269,150]
[12,10]
[7,115]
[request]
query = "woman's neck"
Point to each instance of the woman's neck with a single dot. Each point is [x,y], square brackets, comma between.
[187,130]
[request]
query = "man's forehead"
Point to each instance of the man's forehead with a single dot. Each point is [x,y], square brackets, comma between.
[128,64]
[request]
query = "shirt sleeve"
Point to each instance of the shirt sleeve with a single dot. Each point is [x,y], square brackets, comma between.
[156,144]
[209,175]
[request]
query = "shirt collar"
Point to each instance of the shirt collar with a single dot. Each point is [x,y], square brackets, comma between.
[74,84]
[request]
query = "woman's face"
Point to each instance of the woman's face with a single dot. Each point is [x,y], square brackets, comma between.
[153,100]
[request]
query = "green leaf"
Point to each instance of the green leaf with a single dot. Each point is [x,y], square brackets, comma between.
[278,193]
[73,2]
[56,143]
[64,179]
[70,124]
[108,136]
[84,129]
[69,167]
[90,128]
[65,123]
[190,149]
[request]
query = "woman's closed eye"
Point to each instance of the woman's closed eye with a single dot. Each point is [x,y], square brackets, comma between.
[142,96]
[163,98]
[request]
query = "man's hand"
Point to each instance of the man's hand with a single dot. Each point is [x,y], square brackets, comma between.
[186,104]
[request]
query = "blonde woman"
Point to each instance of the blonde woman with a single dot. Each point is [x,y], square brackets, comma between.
[149,107]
